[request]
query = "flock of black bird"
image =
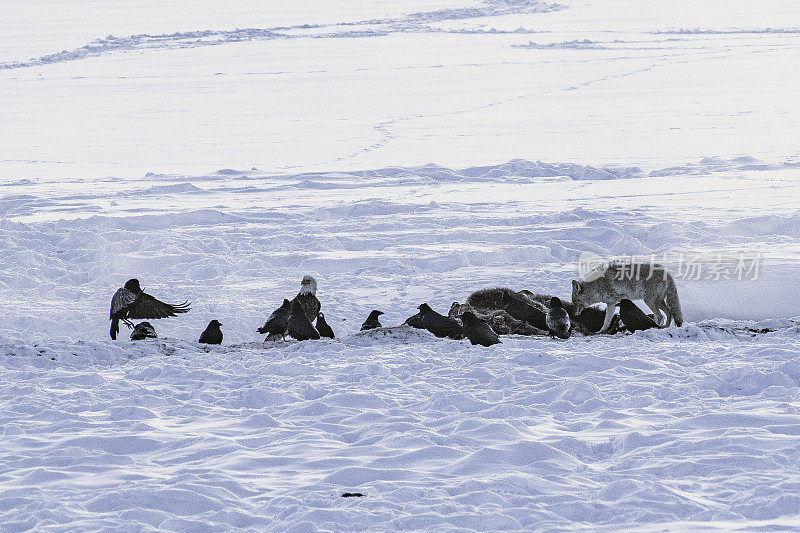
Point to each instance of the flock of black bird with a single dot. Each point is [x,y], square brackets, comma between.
[486,314]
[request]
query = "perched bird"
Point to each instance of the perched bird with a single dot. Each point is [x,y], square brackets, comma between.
[278,322]
[212,334]
[478,331]
[323,328]
[372,320]
[522,310]
[143,330]
[308,297]
[634,318]
[590,320]
[300,326]
[440,325]
[415,321]
[558,320]
[130,302]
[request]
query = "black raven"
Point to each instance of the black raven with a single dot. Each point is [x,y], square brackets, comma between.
[520,309]
[634,318]
[212,334]
[300,327]
[323,327]
[440,325]
[278,322]
[130,302]
[478,331]
[372,320]
[143,330]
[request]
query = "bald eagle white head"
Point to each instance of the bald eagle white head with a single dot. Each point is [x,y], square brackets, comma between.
[308,285]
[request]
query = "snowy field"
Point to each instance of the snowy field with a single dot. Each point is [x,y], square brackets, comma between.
[399,152]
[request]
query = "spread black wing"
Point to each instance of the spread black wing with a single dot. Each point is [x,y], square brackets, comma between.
[146,306]
[121,300]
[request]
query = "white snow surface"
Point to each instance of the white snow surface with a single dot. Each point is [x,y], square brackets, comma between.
[399,152]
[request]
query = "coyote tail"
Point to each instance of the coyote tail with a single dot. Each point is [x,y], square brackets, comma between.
[674,305]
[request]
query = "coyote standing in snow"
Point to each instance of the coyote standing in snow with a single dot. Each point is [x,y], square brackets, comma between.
[634,281]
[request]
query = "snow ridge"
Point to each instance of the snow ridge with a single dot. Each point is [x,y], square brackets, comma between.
[487,8]
[414,22]
[732,31]
[111,43]
[577,44]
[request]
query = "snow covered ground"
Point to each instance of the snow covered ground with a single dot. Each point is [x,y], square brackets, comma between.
[400,152]
[144,88]
[668,430]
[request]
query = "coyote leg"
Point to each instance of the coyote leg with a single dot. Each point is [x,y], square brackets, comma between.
[654,305]
[609,315]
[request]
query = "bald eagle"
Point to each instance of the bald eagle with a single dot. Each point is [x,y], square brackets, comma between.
[307,298]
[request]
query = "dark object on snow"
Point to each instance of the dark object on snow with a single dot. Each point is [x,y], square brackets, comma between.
[300,326]
[323,328]
[143,330]
[558,322]
[634,318]
[457,309]
[131,303]
[440,325]
[616,325]
[478,331]
[590,319]
[488,304]
[352,495]
[502,326]
[308,297]
[372,320]
[484,300]
[522,310]
[415,321]
[588,322]
[212,334]
[278,322]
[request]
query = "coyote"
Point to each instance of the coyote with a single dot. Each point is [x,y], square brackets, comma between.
[634,281]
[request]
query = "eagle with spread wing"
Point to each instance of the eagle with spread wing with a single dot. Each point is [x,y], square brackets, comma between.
[131,303]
